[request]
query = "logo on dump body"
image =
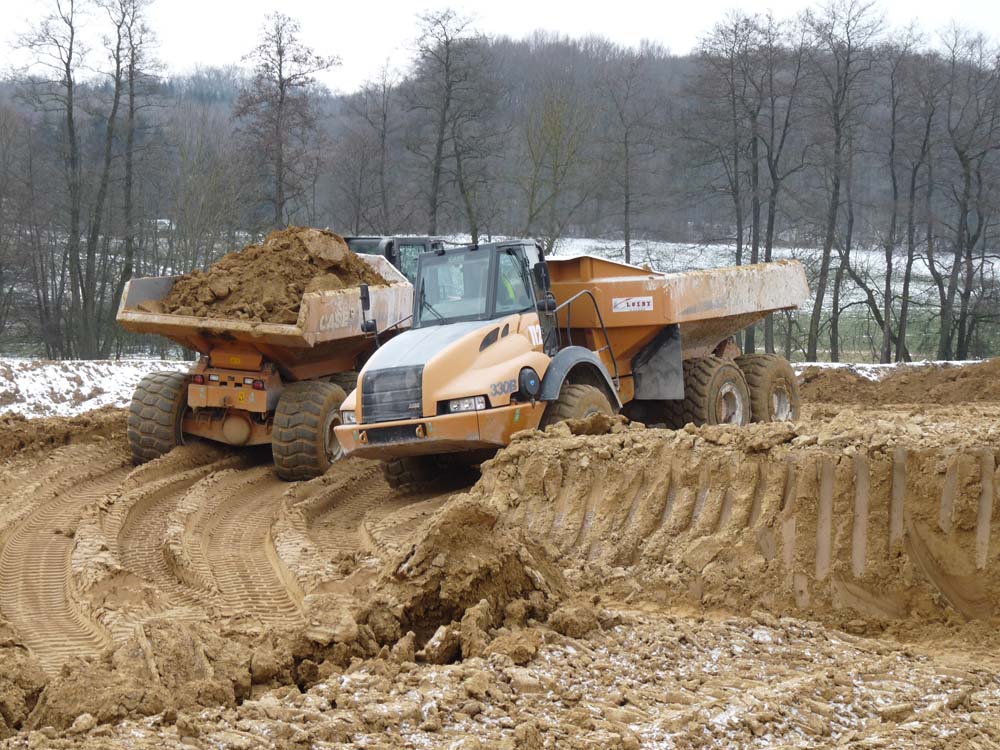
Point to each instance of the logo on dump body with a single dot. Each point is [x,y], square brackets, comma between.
[631,304]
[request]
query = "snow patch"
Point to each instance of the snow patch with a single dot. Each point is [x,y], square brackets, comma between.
[42,388]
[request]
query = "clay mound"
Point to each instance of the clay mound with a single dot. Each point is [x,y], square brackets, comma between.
[165,664]
[866,515]
[463,557]
[19,434]
[264,283]
[927,384]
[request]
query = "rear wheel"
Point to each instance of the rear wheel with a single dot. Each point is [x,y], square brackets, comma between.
[411,471]
[303,442]
[715,392]
[576,402]
[774,391]
[155,414]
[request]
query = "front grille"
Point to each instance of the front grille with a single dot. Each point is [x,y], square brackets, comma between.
[396,434]
[392,393]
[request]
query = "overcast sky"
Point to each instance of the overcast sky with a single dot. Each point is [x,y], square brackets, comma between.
[368,33]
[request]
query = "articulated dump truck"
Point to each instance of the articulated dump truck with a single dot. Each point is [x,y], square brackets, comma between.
[259,383]
[504,340]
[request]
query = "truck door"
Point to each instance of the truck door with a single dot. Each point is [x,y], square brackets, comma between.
[550,333]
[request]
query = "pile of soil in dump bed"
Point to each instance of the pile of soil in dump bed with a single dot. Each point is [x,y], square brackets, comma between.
[264,283]
[926,384]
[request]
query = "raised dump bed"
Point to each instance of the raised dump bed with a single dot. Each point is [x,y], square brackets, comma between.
[326,338]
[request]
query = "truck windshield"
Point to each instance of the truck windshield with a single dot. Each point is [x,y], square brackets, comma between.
[452,287]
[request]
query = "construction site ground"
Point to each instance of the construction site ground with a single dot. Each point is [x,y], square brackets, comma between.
[832,583]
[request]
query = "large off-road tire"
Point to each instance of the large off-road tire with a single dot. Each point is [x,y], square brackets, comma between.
[576,402]
[302,441]
[774,391]
[412,472]
[155,414]
[715,392]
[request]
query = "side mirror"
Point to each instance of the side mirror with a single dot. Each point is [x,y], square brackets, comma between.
[541,274]
[366,300]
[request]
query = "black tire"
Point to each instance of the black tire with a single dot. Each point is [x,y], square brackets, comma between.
[715,392]
[576,402]
[774,391]
[302,441]
[412,472]
[155,414]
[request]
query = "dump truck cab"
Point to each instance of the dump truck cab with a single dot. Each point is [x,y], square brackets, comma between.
[401,251]
[468,374]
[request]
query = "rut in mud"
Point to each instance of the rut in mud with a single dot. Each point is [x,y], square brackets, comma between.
[93,547]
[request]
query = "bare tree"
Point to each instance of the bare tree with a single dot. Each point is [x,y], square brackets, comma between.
[276,109]
[841,34]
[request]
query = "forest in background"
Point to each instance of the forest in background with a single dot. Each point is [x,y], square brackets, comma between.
[873,151]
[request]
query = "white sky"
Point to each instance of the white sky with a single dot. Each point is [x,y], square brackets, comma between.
[368,33]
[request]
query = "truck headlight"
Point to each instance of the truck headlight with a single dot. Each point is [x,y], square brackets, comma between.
[472,403]
[349,417]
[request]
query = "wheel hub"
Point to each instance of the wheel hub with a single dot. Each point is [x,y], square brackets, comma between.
[729,407]
[781,404]
[332,447]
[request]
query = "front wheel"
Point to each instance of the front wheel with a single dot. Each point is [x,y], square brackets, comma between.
[576,401]
[303,442]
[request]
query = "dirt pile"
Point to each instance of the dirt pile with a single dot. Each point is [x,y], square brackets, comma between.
[917,384]
[21,682]
[264,283]
[163,665]
[864,516]
[19,434]
[464,559]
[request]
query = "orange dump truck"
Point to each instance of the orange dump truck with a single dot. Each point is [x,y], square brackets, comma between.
[259,383]
[503,340]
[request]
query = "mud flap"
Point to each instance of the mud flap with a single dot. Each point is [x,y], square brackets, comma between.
[659,368]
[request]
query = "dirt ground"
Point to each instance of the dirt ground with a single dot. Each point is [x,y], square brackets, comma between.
[828,583]
[265,282]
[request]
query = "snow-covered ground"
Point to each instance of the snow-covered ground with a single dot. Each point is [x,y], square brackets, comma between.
[39,388]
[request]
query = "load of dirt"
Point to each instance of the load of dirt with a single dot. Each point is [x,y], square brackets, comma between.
[19,434]
[264,283]
[916,384]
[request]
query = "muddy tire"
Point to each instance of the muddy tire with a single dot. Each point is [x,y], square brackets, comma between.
[576,402]
[303,442]
[155,414]
[412,472]
[715,392]
[774,391]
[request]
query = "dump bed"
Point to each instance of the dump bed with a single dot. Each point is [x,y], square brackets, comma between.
[635,303]
[328,328]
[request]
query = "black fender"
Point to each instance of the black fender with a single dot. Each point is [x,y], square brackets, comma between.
[570,358]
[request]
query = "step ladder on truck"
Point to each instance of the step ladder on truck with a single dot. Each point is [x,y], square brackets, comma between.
[503,339]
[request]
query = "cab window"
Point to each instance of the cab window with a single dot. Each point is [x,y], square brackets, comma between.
[512,293]
[408,259]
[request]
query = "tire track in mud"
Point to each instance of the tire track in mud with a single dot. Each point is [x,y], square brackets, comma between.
[883,533]
[35,574]
[242,558]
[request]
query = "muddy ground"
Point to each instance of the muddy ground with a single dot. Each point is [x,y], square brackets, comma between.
[829,583]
